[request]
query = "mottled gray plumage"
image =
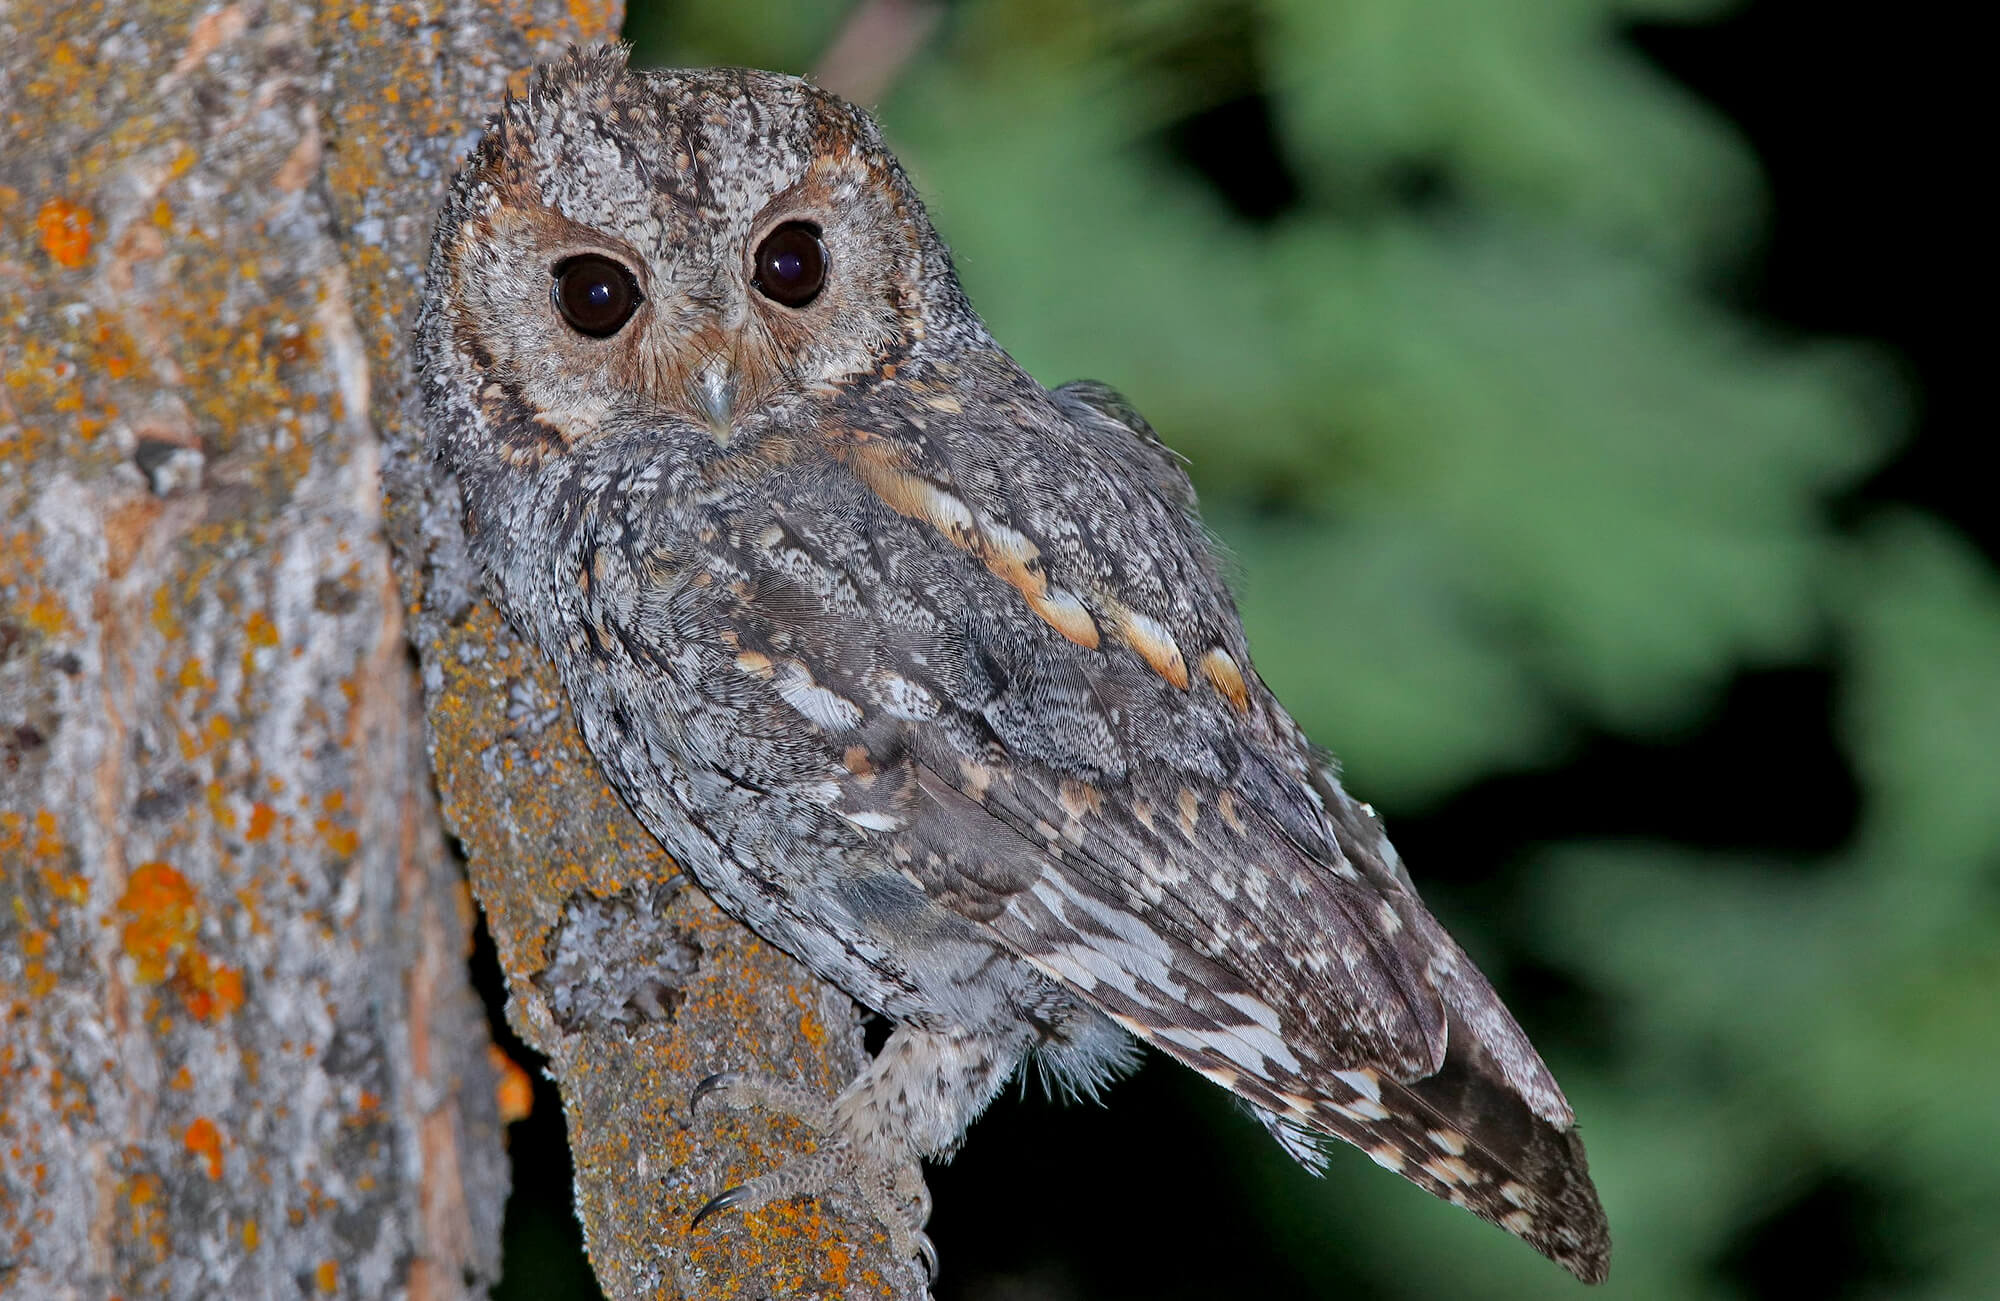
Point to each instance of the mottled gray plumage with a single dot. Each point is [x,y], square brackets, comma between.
[925,671]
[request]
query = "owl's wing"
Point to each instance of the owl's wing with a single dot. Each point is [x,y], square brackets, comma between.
[1018,737]
[1333,1005]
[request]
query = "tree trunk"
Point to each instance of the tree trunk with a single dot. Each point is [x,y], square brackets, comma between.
[238,1052]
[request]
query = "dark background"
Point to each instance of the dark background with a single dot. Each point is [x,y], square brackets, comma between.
[1583,392]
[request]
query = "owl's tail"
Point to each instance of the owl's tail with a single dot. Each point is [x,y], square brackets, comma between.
[1465,1136]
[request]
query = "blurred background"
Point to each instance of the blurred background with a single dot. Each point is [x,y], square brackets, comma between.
[1576,385]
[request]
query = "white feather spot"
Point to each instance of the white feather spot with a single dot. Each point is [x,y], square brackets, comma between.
[1364,1082]
[1130,957]
[1257,884]
[1167,874]
[901,698]
[1252,1047]
[945,511]
[1253,1007]
[1366,1113]
[1299,1104]
[827,709]
[873,820]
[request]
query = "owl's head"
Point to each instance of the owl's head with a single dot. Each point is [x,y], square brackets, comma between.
[690,254]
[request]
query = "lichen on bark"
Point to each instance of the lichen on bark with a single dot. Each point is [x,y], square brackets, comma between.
[238,1052]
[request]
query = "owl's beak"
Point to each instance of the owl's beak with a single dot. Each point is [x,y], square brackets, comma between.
[712,391]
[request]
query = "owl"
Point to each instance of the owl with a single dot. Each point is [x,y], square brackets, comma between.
[927,672]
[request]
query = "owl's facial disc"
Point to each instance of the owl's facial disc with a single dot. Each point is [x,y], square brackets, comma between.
[758,261]
[794,293]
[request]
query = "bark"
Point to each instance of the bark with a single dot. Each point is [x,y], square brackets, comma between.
[238,1054]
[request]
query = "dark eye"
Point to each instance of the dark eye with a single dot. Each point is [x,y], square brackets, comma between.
[594,294]
[791,264]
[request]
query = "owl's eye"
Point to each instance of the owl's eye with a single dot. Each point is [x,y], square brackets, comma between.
[791,264]
[594,294]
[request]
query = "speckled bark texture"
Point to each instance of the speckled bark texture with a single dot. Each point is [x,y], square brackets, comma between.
[238,1053]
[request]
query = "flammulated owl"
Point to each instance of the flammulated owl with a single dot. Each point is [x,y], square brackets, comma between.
[925,671]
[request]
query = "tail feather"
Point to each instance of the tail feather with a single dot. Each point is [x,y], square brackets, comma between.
[1490,1131]
[1461,1135]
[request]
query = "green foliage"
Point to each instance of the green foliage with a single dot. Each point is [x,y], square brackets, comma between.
[1533,108]
[1495,466]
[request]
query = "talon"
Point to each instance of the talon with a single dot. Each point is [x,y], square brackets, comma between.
[722,1201]
[923,1205]
[929,1255]
[717,1081]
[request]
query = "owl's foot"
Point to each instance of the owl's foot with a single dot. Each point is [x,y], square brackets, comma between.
[890,1182]
[915,1099]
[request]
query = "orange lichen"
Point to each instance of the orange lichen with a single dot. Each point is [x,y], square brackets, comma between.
[210,990]
[260,630]
[593,15]
[165,620]
[205,1140]
[145,1189]
[159,934]
[835,1269]
[48,844]
[327,1276]
[33,602]
[514,1092]
[46,614]
[340,839]
[161,909]
[65,232]
[36,976]
[262,818]
[219,807]
[66,887]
